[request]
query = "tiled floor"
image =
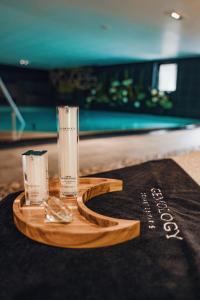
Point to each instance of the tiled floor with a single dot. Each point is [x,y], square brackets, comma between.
[102,154]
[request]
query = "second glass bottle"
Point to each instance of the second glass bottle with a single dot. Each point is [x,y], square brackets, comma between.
[68,139]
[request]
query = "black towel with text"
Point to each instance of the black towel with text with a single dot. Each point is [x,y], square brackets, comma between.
[162,263]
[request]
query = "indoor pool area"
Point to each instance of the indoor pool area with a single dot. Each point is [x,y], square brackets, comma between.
[44,119]
[99,150]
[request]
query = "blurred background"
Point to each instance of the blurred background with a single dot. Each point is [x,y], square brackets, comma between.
[132,66]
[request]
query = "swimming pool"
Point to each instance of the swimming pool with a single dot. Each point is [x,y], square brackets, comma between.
[43,119]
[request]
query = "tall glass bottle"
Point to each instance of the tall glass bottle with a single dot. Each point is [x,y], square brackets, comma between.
[68,139]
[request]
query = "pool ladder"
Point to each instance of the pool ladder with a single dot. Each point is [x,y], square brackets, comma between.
[16,135]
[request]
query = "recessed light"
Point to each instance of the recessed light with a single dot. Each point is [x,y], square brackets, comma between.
[24,62]
[175,15]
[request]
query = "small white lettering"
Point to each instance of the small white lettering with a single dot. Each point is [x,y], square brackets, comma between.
[165,215]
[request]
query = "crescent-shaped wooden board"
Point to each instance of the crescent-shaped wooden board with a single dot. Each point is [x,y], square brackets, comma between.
[88,228]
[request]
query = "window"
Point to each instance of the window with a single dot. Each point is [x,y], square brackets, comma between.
[167,77]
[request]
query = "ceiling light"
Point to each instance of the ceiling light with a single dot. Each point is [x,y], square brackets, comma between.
[175,15]
[24,62]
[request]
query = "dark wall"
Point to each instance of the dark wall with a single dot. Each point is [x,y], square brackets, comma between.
[27,86]
[187,97]
[37,87]
[185,100]
[77,86]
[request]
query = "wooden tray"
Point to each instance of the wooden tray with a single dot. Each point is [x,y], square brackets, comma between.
[88,229]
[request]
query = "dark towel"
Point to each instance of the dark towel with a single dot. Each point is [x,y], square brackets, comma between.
[163,263]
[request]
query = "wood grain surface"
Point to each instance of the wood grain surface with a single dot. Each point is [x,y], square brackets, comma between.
[88,228]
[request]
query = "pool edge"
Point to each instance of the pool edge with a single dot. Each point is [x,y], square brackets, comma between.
[33,138]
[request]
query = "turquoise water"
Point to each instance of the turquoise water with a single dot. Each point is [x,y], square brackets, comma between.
[44,119]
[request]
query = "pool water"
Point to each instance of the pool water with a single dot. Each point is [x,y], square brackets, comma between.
[43,119]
